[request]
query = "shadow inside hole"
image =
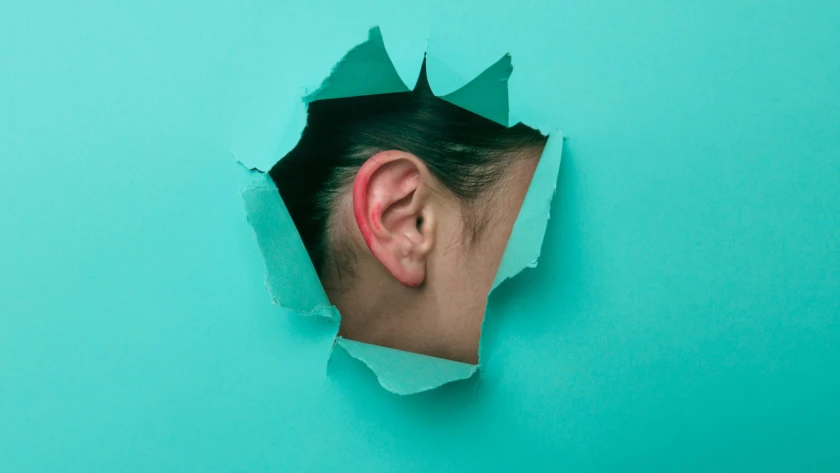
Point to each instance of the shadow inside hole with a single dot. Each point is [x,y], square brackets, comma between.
[349,134]
[367,178]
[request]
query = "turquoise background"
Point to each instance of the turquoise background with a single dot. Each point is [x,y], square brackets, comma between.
[685,314]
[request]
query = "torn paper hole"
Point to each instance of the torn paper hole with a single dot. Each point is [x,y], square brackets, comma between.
[400,220]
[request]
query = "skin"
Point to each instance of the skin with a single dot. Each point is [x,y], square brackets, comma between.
[417,284]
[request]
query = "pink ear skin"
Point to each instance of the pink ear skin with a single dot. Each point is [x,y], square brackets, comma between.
[360,186]
[388,198]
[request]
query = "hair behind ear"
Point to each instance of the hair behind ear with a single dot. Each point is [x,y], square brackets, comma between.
[466,152]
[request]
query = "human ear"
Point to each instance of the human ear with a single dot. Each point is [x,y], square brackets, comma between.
[392,208]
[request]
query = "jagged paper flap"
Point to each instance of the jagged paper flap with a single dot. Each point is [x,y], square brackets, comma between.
[290,277]
[523,248]
[365,70]
[406,373]
[487,94]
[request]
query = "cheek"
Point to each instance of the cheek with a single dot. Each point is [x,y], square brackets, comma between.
[505,211]
[491,241]
[502,228]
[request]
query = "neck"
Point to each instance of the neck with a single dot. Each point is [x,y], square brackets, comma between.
[426,320]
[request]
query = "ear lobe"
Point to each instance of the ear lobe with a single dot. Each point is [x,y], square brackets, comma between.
[392,209]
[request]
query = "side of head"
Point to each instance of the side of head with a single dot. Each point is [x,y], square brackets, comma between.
[404,203]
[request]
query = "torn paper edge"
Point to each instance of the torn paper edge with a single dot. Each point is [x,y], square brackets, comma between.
[519,257]
[292,136]
[263,204]
[381,360]
[534,214]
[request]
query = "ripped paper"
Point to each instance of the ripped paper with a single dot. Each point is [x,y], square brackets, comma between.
[402,372]
[526,239]
[291,279]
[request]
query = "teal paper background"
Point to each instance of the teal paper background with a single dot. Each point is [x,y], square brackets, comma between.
[685,314]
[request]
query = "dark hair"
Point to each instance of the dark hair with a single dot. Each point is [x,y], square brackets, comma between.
[465,151]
